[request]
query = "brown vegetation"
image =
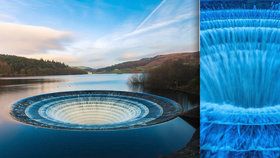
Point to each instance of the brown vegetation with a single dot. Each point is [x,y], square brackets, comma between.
[145,64]
[181,74]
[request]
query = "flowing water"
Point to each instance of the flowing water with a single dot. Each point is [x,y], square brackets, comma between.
[240,86]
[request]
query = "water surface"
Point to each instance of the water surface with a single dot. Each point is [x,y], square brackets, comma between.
[20,140]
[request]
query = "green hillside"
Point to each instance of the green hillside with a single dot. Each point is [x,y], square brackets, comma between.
[20,66]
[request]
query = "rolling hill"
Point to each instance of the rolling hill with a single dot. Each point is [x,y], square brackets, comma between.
[146,64]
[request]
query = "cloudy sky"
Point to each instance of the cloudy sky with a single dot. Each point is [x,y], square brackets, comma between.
[97,33]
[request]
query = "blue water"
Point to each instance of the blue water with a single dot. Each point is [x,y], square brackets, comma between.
[240,86]
[19,140]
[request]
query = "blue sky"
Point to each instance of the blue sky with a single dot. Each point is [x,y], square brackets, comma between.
[97,33]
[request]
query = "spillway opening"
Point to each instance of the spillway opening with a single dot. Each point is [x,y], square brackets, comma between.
[93,113]
[95,110]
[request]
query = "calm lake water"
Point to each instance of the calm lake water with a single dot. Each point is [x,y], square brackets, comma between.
[18,140]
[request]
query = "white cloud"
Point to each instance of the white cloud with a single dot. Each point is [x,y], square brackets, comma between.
[19,39]
[171,27]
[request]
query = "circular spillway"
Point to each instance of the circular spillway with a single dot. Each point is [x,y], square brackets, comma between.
[95,110]
[239,78]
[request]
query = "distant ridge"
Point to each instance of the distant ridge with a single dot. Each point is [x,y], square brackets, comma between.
[85,68]
[11,65]
[146,64]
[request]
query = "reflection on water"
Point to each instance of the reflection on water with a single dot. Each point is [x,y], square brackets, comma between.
[153,141]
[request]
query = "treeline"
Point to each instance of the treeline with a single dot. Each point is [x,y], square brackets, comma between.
[174,75]
[11,65]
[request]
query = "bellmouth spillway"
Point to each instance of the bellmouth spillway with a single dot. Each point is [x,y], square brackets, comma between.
[239,76]
[95,110]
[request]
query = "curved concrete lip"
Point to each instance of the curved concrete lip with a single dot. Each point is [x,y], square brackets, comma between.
[94,110]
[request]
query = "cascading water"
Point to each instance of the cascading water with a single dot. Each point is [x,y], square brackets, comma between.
[240,81]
